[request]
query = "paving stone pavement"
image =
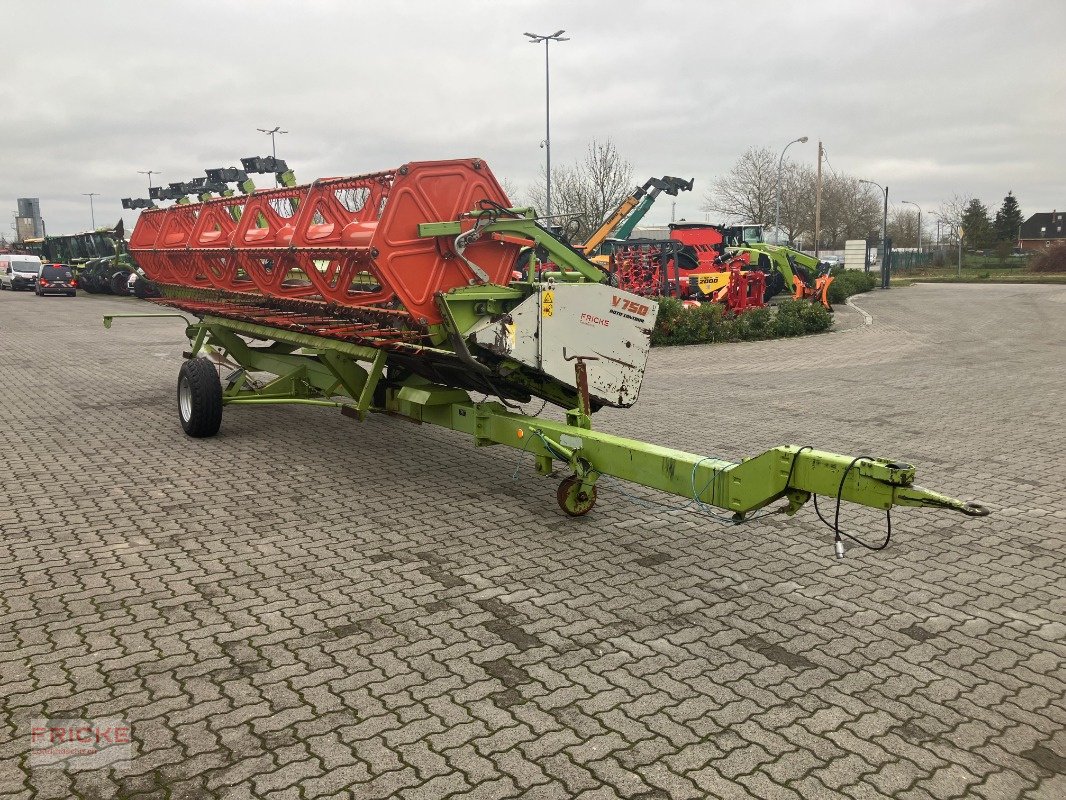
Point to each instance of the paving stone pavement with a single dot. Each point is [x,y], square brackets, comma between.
[306,606]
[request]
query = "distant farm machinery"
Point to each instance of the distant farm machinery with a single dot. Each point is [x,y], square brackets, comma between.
[395,292]
[99,258]
[707,246]
[700,262]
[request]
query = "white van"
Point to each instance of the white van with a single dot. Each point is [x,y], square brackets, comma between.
[18,272]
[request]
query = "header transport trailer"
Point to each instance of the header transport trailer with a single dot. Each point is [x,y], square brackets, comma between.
[397,292]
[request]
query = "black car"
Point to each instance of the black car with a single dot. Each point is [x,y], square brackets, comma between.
[56,279]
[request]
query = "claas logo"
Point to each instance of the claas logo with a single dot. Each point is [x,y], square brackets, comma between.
[628,305]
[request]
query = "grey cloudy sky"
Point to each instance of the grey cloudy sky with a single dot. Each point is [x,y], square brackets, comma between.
[933,97]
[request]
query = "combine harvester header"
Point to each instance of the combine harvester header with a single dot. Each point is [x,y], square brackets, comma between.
[397,292]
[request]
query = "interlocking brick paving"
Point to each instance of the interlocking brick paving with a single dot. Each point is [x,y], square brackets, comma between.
[310,607]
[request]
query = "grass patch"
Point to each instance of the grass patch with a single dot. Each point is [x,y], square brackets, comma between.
[711,323]
[978,276]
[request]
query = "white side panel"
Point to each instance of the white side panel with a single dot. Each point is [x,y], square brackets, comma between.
[609,328]
[855,254]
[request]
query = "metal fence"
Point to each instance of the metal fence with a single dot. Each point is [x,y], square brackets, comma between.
[937,259]
[911,260]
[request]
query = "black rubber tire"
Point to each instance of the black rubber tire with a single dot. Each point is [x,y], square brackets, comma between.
[688,260]
[119,283]
[775,283]
[199,398]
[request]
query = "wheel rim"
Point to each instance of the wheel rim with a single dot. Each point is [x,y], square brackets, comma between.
[573,500]
[184,399]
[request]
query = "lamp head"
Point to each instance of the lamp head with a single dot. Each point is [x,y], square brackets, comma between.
[802,140]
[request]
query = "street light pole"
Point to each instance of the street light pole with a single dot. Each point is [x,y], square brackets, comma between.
[884,225]
[536,38]
[92,213]
[149,173]
[273,146]
[777,214]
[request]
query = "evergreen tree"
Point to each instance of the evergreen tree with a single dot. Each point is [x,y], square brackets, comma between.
[1008,219]
[977,225]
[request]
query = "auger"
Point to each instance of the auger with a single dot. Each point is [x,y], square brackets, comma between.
[399,292]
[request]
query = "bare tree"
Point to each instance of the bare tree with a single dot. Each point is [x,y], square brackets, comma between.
[747,192]
[903,227]
[850,210]
[950,214]
[797,201]
[509,189]
[585,192]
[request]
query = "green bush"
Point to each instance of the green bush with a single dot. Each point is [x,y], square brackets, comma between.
[679,325]
[710,322]
[847,282]
[788,320]
[755,324]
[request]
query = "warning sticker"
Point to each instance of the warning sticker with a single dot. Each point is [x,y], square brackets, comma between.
[547,303]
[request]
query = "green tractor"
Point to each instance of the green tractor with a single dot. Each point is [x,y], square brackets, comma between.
[789,270]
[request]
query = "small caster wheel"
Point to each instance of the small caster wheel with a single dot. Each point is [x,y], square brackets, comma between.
[574,500]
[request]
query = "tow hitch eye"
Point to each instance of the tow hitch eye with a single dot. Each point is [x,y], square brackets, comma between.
[972,509]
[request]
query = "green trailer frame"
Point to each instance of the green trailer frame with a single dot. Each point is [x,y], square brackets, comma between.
[318,371]
[270,365]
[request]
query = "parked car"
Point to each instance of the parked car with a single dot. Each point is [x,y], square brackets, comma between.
[56,279]
[18,271]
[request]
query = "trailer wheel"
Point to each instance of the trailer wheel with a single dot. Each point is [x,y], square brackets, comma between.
[574,500]
[199,398]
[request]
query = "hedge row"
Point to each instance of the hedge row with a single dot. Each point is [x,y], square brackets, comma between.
[710,322]
[847,282]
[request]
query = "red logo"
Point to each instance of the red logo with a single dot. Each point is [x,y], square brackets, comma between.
[628,305]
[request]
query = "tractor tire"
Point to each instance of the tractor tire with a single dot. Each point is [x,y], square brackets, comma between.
[687,260]
[143,288]
[199,398]
[775,282]
[118,283]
